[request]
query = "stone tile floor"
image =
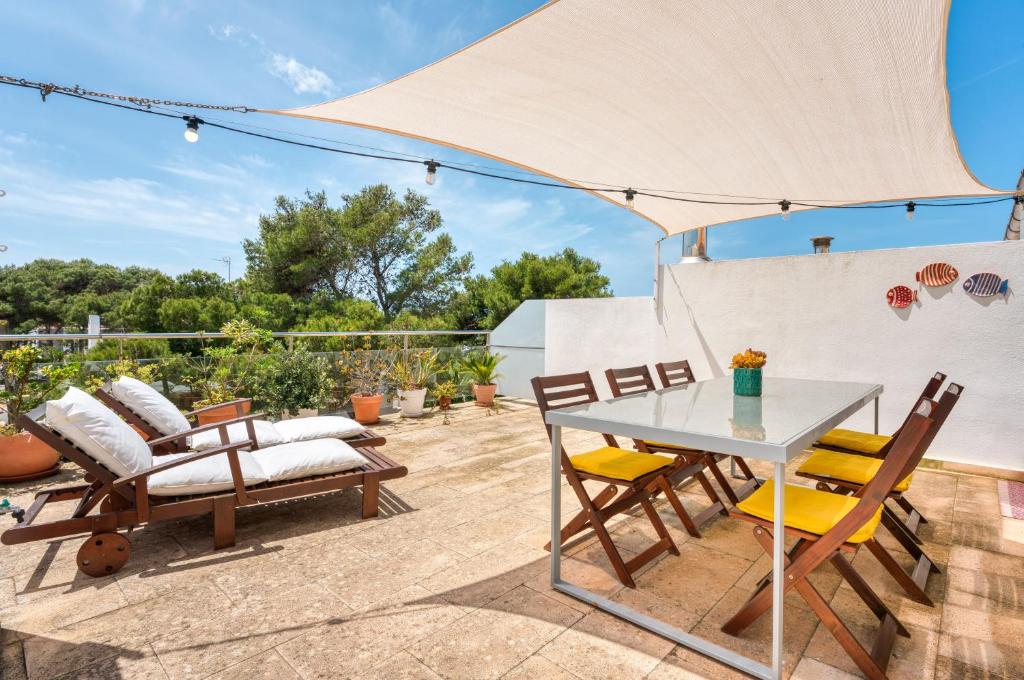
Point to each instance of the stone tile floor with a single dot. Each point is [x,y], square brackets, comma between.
[451,582]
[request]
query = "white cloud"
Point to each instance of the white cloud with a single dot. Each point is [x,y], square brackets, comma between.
[303,79]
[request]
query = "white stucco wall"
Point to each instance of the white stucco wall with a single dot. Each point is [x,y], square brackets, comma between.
[822,317]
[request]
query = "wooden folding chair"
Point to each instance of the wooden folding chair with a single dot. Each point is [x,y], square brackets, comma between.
[826,526]
[878,445]
[847,474]
[637,380]
[674,373]
[639,475]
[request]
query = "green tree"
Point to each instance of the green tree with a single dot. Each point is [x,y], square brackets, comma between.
[201,284]
[397,264]
[56,295]
[141,311]
[301,249]
[489,299]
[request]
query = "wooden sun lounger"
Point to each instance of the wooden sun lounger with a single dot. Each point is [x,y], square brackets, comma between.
[180,442]
[124,503]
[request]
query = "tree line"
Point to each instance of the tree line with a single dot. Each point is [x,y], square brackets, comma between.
[377,261]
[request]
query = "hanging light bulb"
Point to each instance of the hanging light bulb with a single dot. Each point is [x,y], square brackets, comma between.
[432,167]
[630,195]
[192,129]
[910,211]
[784,204]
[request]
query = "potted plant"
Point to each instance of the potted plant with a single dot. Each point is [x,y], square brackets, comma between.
[365,374]
[25,385]
[292,382]
[746,372]
[228,373]
[411,375]
[482,370]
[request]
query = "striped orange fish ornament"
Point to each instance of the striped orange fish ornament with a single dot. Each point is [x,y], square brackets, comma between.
[937,274]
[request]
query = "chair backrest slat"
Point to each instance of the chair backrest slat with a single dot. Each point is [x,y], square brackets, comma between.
[551,393]
[931,388]
[631,380]
[674,373]
[938,416]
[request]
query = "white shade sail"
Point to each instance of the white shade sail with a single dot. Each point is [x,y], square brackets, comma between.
[819,101]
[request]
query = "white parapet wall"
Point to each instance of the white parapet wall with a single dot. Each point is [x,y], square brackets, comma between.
[817,316]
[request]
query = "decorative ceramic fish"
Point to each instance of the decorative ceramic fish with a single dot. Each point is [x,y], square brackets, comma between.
[899,297]
[937,274]
[986,285]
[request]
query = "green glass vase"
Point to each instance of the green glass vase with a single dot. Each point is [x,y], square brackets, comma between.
[746,382]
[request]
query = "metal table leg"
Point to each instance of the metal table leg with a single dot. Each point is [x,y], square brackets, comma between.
[778,567]
[556,504]
[876,415]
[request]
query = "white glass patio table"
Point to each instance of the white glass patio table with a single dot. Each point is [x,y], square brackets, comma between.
[788,417]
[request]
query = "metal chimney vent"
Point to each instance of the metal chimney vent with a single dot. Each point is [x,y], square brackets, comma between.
[821,244]
[695,246]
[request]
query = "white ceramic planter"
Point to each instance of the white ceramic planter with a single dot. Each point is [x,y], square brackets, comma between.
[412,402]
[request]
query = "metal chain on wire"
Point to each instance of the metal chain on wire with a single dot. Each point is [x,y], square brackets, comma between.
[47,88]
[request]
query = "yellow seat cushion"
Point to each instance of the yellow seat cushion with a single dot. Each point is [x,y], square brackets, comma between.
[847,467]
[663,445]
[809,510]
[618,463]
[851,440]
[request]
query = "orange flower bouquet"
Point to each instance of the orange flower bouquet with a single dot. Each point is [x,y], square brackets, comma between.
[746,372]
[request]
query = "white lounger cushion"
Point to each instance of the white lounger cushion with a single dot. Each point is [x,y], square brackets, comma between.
[99,432]
[202,476]
[155,408]
[318,427]
[266,435]
[308,458]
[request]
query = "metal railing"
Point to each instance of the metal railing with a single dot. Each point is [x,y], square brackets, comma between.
[289,336]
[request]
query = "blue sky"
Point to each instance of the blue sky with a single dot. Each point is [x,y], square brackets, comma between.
[89,181]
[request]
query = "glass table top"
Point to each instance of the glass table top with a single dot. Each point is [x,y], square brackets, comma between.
[788,416]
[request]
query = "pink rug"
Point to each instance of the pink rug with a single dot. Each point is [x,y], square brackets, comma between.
[1011,499]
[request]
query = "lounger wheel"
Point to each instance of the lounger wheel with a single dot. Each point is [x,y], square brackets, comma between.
[104,554]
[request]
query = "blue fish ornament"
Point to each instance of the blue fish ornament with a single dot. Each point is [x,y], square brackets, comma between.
[986,285]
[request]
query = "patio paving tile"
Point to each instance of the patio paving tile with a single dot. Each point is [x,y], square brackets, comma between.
[402,666]
[519,623]
[267,666]
[369,581]
[537,667]
[966,657]
[133,627]
[255,626]
[603,646]
[688,579]
[349,645]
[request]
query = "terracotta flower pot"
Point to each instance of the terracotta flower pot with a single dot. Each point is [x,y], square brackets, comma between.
[367,408]
[484,394]
[226,412]
[444,403]
[24,456]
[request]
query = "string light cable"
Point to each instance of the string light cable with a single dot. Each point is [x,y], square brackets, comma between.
[158,107]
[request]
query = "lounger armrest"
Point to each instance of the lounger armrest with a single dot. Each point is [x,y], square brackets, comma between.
[203,428]
[236,402]
[230,449]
